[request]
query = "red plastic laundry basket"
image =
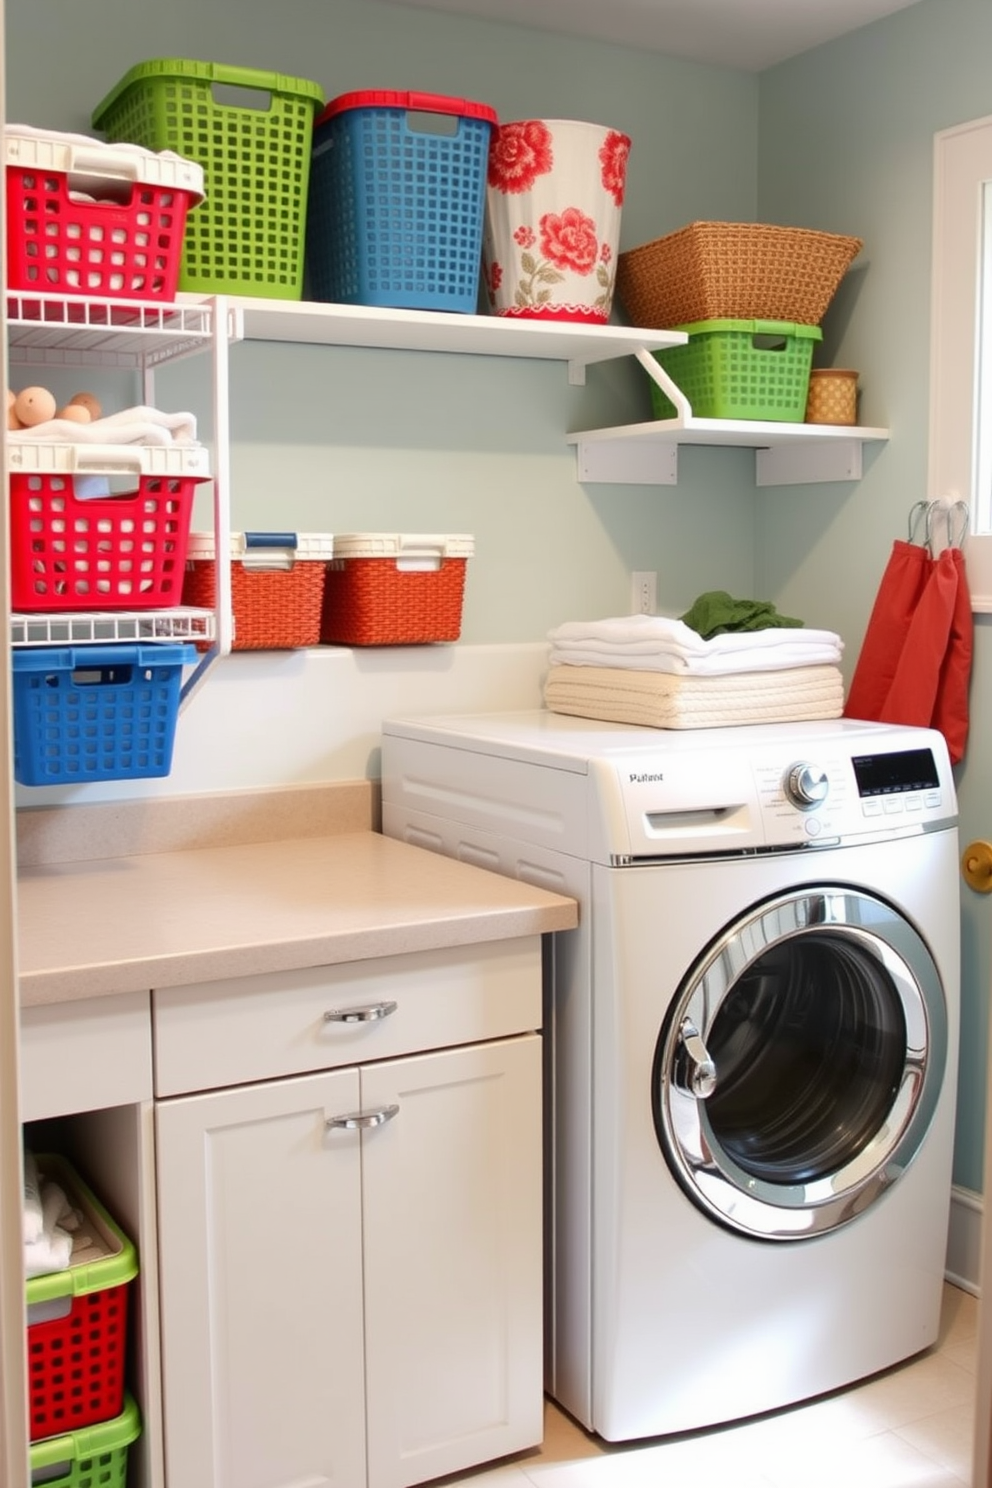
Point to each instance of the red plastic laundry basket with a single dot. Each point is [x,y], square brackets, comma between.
[92,219]
[109,553]
[76,1360]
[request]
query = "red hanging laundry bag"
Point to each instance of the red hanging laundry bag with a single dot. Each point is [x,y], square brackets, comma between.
[915,662]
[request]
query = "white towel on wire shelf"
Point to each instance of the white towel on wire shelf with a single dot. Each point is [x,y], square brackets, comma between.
[138,425]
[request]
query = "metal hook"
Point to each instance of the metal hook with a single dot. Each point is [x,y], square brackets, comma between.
[956,517]
[922,511]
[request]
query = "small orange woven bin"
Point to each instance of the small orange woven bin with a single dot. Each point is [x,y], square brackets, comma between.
[386,589]
[736,271]
[277,586]
[833,396]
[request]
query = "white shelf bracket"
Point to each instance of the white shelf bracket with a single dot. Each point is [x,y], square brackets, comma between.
[672,391]
[806,463]
[650,463]
[576,374]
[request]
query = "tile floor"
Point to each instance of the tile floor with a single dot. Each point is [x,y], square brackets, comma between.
[910,1427]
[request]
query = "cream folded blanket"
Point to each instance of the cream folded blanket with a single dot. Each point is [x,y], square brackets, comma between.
[655,643]
[660,700]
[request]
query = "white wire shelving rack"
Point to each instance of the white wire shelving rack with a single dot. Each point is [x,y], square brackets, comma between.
[54,331]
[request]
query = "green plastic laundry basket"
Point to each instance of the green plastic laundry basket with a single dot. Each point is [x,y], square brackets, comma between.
[740,369]
[94,1457]
[252,133]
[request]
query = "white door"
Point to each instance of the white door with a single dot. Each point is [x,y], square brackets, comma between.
[453,1220]
[261,1286]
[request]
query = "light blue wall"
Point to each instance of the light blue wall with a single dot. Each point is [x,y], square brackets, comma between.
[846,144]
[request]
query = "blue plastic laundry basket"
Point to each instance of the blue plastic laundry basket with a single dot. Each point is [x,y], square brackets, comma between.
[397,201]
[84,713]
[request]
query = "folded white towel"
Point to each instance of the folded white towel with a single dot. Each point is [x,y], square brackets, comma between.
[51,1248]
[51,1253]
[663,632]
[658,643]
[139,425]
[56,1209]
[721,663]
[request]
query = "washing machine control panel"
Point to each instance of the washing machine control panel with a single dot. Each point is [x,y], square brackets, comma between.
[831,797]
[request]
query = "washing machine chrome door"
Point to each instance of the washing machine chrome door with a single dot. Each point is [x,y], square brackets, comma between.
[799,1067]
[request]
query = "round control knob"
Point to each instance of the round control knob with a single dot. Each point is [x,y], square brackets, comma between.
[806,785]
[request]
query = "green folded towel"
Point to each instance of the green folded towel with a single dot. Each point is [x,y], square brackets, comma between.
[716,612]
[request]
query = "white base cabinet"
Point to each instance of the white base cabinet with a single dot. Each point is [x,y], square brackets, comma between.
[351,1259]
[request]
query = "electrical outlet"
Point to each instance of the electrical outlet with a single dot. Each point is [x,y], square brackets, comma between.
[643,592]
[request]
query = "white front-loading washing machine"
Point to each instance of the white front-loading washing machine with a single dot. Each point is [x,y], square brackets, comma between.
[751,1042]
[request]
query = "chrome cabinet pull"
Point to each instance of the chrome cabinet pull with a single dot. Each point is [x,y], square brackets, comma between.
[369,1014]
[694,1071]
[361,1120]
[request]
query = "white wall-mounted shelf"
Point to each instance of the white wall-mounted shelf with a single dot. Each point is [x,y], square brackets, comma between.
[579,346]
[785,454]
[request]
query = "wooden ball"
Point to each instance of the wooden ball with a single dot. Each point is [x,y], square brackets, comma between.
[89,401]
[34,405]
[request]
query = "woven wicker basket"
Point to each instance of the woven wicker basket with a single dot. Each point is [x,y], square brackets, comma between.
[395,589]
[366,603]
[833,396]
[733,270]
[277,588]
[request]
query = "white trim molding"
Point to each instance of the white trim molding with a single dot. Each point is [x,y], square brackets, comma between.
[962,167]
[964,1240]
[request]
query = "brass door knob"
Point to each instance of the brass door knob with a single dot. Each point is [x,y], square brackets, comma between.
[976,866]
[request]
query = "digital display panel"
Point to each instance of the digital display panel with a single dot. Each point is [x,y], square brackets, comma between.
[891,774]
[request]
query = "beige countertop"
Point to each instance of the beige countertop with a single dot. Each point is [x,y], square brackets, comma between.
[108,925]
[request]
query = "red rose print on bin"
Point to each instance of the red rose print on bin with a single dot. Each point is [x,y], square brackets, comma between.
[519,153]
[613,160]
[569,240]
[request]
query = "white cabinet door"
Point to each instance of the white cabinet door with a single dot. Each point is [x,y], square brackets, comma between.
[261,1286]
[453,1310]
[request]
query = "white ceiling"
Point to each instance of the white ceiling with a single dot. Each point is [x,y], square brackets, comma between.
[746,34]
